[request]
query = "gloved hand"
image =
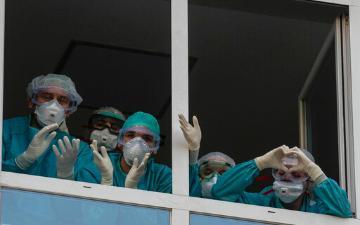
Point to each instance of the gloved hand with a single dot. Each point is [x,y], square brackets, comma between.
[136,172]
[103,163]
[67,158]
[308,166]
[38,145]
[272,159]
[192,135]
[63,127]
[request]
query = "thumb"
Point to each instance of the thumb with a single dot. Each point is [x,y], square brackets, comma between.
[136,163]
[196,122]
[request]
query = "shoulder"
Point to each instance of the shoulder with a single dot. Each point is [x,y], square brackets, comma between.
[16,125]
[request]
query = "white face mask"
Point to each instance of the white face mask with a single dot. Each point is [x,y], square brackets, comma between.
[49,113]
[288,191]
[135,148]
[104,138]
[207,184]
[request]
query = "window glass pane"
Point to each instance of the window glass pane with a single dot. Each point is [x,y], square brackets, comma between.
[212,220]
[21,207]
[118,55]
[252,62]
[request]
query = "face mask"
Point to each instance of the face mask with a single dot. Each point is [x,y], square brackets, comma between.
[207,183]
[288,191]
[104,138]
[50,113]
[135,148]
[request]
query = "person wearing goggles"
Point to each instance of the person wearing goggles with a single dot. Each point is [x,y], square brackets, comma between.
[104,126]
[212,166]
[296,179]
[133,166]
[27,140]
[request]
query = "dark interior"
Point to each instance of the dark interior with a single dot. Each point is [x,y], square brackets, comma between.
[249,62]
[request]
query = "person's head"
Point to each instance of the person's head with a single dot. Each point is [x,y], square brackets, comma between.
[290,186]
[140,134]
[214,162]
[105,124]
[52,97]
[212,165]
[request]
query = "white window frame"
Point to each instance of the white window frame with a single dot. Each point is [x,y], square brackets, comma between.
[179,203]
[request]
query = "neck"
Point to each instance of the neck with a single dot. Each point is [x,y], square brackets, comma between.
[124,166]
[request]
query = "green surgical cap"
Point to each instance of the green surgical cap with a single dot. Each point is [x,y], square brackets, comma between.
[110,112]
[141,119]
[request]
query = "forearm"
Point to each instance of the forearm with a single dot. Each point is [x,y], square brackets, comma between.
[234,181]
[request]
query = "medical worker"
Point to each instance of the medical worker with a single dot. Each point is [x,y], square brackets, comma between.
[299,184]
[104,126]
[135,166]
[40,144]
[211,167]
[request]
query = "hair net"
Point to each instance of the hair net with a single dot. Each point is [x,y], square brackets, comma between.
[109,112]
[218,157]
[141,119]
[56,81]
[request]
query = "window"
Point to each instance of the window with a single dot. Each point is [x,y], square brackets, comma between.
[182,209]
[118,55]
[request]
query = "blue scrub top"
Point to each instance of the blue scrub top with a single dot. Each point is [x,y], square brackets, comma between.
[328,197]
[156,178]
[17,135]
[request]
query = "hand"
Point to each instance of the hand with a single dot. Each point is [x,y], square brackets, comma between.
[67,158]
[272,159]
[191,133]
[306,165]
[103,163]
[136,172]
[38,145]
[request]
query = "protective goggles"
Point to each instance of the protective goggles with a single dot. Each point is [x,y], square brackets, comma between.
[208,168]
[294,176]
[99,122]
[46,95]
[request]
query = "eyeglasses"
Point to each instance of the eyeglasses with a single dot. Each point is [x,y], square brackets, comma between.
[100,123]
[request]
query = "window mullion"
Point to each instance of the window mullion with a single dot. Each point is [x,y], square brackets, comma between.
[179,48]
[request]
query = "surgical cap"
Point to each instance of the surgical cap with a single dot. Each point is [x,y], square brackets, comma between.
[54,80]
[218,157]
[141,119]
[109,112]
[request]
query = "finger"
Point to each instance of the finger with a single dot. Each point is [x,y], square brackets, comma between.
[104,152]
[56,151]
[184,123]
[93,146]
[183,120]
[51,136]
[62,146]
[75,145]
[196,122]
[97,156]
[47,129]
[136,163]
[145,160]
[67,143]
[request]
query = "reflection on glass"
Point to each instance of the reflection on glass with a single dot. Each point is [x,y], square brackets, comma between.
[211,220]
[20,207]
[253,58]
[99,71]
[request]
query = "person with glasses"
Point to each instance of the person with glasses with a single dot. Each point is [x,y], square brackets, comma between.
[134,166]
[299,184]
[211,167]
[104,126]
[40,144]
